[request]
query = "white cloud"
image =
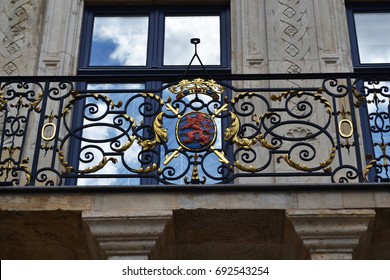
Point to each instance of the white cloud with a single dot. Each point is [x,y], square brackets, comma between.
[179,31]
[128,34]
[372,30]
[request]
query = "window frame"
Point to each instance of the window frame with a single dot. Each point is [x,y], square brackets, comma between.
[155,45]
[363,8]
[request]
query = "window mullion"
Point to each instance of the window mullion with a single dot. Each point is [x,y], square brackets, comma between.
[155,48]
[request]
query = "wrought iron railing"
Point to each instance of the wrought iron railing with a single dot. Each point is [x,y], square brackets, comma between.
[110,130]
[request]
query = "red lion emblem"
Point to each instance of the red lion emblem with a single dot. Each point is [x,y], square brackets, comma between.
[200,126]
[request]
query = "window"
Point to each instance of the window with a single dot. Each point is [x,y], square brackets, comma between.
[368,26]
[133,41]
[154,39]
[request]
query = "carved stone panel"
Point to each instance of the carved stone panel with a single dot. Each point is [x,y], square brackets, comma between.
[20,24]
[292,38]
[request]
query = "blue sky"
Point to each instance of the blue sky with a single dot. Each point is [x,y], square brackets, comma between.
[373,31]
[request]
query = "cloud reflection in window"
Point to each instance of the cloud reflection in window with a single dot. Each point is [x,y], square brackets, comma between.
[373,41]
[119,41]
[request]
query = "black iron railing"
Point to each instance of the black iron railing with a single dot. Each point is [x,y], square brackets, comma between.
[112,130]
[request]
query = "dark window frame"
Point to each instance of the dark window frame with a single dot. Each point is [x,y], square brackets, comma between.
[155,48]
[363,8]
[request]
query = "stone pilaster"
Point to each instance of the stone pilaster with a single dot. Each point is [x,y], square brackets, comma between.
[130,235]
[331,234]
[60,43]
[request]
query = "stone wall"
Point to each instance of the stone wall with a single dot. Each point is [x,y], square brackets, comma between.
[20,29]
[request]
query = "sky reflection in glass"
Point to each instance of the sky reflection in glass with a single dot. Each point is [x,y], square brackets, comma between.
[119,41]
[178,32]
[372,30]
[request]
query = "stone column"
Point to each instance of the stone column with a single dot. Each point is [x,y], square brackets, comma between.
[130,235]
[331,234]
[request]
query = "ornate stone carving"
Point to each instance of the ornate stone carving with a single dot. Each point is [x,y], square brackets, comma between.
[19,26]
[290,43]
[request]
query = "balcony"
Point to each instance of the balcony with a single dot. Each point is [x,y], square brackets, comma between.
[90,131]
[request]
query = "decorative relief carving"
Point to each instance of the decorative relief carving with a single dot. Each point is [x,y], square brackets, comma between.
[292,38]
[18,28]
[300,132]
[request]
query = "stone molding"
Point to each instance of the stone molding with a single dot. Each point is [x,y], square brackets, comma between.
[131,235]
[60,43]
[331,234]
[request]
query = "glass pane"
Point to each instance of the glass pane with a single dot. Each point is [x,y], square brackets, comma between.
[178,32]
[372,31]
[119,41]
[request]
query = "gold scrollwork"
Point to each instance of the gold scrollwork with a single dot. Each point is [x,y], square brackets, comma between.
[317,96]
[107,100]
[3,101]
[266,144]
[367,169]
[231,133]
[98,166]
[95,168]
[245,168]
[126,145]
[11,166]
[26,170]
[69,105]
[324,165]
[241,95]
[76,96]
[152,95]
[323,101]
[64,163]
[292,163]
[284,95]
[146,170]
[160,134]
[360,98]
[34,104]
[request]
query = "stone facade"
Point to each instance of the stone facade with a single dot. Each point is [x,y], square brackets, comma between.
[289,222]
